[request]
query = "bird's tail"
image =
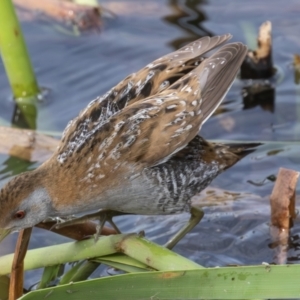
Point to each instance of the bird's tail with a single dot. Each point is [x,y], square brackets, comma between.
[232,153]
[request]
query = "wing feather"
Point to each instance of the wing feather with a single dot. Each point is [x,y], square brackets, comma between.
[155,77]
[150,131]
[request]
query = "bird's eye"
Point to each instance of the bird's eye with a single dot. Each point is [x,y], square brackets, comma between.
[19,214]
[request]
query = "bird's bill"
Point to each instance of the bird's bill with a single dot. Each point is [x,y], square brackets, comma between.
[3,234]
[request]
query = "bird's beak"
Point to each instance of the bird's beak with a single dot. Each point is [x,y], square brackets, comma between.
[4,233]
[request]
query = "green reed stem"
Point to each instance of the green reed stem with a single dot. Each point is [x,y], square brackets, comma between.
[14,53]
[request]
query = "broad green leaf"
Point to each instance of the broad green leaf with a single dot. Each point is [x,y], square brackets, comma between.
[264,282]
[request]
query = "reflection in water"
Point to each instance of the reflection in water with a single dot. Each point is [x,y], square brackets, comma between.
[188,17]
[297,68]
[13,166]
[25,115]
[259,94]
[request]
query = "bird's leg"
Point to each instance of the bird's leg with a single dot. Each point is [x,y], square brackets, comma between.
[106,216]
[196,216]
[103,216]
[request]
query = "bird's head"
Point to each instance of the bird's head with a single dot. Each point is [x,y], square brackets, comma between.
[24,202]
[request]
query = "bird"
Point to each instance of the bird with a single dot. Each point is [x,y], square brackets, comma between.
[136,149]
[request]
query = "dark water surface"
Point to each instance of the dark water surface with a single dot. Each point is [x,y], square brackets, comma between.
[77,69]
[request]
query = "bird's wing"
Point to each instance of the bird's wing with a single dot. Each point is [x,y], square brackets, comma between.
[161,73]
[153,78]
[150,131]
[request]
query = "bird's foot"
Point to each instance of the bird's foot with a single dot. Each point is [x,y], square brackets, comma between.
[196,216]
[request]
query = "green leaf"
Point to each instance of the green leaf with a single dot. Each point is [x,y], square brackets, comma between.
[267,282]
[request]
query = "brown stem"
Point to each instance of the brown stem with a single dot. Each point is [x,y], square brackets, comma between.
[17,271]
[282,202]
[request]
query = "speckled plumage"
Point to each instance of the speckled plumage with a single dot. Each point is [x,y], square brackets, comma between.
[155,77]
[136,149]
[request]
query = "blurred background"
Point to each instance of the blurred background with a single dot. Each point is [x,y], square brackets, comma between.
[74,66]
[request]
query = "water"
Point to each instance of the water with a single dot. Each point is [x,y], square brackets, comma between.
[77,69]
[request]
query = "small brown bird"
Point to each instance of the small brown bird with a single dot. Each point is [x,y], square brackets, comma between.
[135,149]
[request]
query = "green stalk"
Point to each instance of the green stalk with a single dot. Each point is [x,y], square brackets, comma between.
[153,255]
[63,253]
[146,252]
[14,53]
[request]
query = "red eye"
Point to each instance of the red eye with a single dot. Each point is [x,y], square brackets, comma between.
[19,214]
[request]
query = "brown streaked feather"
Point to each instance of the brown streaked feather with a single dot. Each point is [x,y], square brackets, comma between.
[200,87]
[235,54]
[154,129]
[154,78]
[219,79]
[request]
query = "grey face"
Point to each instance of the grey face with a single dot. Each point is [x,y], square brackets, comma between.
[27,212]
